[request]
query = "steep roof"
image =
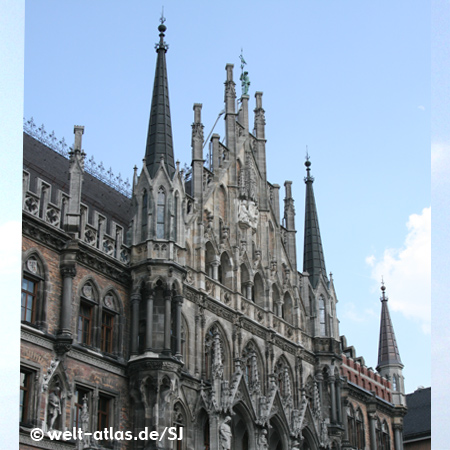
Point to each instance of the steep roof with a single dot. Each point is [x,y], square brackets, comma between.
[417,422]
[313,259]
[159,137]
[45,163]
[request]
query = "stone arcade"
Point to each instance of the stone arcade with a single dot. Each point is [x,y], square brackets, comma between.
[183,306]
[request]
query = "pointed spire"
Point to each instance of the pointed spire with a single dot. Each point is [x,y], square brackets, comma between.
[159,137]
[387,349]
[313,259]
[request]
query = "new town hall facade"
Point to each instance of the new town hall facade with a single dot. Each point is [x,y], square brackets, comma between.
[181,305]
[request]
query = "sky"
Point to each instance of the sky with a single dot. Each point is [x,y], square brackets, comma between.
[350,80]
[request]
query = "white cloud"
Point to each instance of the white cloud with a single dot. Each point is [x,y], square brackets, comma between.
[407,271]
[421,107]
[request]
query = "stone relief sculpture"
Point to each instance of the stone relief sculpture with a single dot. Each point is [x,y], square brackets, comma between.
[54,407]
[225,434]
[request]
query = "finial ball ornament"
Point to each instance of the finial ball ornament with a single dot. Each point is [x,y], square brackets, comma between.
[307,163]
[162,28]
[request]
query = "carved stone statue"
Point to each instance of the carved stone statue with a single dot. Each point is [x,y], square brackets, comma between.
[263,444]
[225,434]
[54,406]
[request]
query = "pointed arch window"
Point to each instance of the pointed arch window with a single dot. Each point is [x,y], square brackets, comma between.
[359,430]
[160,214]
[322,315]
[144,216]
[33,301]
[175,218]
[351,425]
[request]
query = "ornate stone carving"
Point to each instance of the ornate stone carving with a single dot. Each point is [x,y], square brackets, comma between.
[52,216]
[32,265]
[31,205]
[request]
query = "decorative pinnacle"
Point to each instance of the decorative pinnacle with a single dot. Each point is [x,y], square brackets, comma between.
[308,167]
[383,297]
[162,28]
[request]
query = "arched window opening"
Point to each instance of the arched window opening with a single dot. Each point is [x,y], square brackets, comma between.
[175,218]
[160,214]
[322,316]
[351,425]
[276,300]
[144,221]
[359,430]
[245,286]
[33,296]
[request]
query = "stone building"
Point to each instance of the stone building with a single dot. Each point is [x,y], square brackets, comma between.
[182,304]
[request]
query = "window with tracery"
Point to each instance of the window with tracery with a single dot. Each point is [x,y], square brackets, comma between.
[160,214]
[144,216]
[322,316]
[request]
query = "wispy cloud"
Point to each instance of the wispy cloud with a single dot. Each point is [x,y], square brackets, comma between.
[355,314]
[407,271]
[421,107]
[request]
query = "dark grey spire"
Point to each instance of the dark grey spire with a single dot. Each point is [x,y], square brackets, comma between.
[159,138]
[313,259]
[387,349]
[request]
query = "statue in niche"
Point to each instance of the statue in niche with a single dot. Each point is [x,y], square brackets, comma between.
[248,213]
[84,416]
[263,444]
[54,406]
[225,434]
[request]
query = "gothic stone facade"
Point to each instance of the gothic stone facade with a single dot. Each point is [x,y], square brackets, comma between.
[183,305]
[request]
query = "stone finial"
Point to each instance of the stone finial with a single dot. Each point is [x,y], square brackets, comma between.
[288,186]
[258,96]
[229,69]
[197,112]
[78,131]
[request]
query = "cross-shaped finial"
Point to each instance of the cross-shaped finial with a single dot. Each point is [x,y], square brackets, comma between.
[162,19]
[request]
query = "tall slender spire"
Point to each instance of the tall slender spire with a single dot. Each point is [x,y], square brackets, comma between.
[387,349]
[313,259]
[159,138]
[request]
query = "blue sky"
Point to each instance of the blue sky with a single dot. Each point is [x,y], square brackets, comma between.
[350,80]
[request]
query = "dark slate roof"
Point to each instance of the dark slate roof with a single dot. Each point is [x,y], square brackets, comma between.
[313,259]
[387,348]
[43,162]
[417,422]
[159,138]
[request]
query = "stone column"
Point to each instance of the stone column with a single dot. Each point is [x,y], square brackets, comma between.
[319,378]
[398,437]
[333,399]
[338,400]
[178,303]
[167,321]
[215,269]
[373,436]
[249,289]
[149,328]
[135,300]
[68,271]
